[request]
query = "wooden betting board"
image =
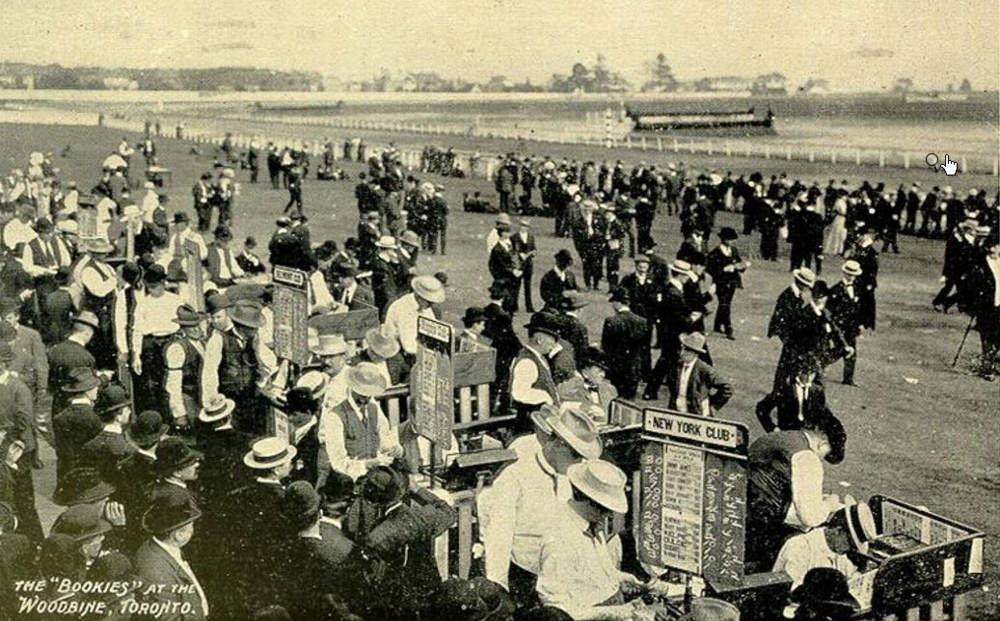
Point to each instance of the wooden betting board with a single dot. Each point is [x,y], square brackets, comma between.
[291,314]
[432,381]
[195,275]
[693,501]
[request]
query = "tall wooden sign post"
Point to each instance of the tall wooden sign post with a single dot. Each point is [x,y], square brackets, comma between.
[693,508]
[432,385]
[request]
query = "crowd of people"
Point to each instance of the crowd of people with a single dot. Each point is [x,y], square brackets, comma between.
[158,387]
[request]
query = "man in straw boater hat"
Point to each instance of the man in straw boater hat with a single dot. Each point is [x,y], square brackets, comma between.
[531,381]
[671,318]
[694,386]
[356,434]
[249,547]
[383,350]
[790,302]
[849,530]
[234,359]
[401,316]
[525,499]
[98,282]
[843,306]
[785,486]
[184,358]
[152,328]
[578,571]
[726,267]
[160,559]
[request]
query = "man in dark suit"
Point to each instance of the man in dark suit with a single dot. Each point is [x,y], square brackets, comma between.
[500,330]
[57,318]
[170,522]
[625,341]
[350,292]
[558,279]
[867,257]
[725,267]
[790,301]
[525,248]
[137,473]
[314,567]
[385,274]
[589,385]
[695,387]
[76,424]
[642,291]
[589,233]
[798,400]
[843,305]
[956,255]
[223,269]
[108,448]
[566,317]
[202,193]
[984,304]
[505,268]
[673,315]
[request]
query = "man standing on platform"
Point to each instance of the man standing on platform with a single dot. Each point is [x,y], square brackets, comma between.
[152,328]
[184,357]
[232,363]
[531,382]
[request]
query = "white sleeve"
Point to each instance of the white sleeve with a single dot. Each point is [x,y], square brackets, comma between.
[497,508]
[388,435]
[96,285]
[337,452]
[210,367]
[524,375]
[808,505]
[28,262]
[120,322]
[174,355]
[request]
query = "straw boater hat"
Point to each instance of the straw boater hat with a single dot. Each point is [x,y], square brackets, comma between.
[387,242]
[365,379]
[859,522]
[98,245]
[410,238]
[329,345]
[269,453]
[218,408]
[602,482]
[680,266]
[851,268]
[316,382]
[503,219]
[695,341]
[247,313]
[382,342]
[428,288]
[804,277]
[577,430]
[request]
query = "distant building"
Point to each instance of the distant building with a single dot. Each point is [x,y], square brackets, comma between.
[728,83]
[115,83]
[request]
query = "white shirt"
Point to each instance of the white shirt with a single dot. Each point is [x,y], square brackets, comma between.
[525,500]
[154,316]
[320,292]
[226,260]
[149,204]
[401,317]
[681,402]
[175,553]
[994,265]
[334,439]
[808,550]
[524,375]
[809,508]
[491,240]
[578,570]
[16,232]
[56,249]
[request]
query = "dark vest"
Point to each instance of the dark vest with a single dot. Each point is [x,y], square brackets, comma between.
[190,370]
[769,493]
[361,438]
[238,368]
[544,380]
[38,253]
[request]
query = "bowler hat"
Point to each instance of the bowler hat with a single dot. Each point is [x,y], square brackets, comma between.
[820,289]
[268,453]
[300,505]
[81,379]
[180,217]
[43,225]
[620,294]
[825,587]
[301,399]
[600,481]
[384,486]
[578,431]
[727,233]
[218,408]
[247,313]
[154,274]
[82,522]
[382,342]
[147,429]
[497,291]
[169,511]
[112,398]
[563,257]
[82,485]
[365,379]
[593,357]
[87,318]
[217,301]
[387,242]
[428,288]
[223,233]
[472,316]
[174,454]
[538,323]
[475,599]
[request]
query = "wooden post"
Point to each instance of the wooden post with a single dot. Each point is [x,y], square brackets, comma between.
[881,159]
[812,156]
[996,166]
[906,159]
[964,165]
[691,146]
[833,157]
[628,141]
[729,150]
[643,143]
[659,143]
[708,147]
[675,145]
[788,154]
[767,152]
[857,157]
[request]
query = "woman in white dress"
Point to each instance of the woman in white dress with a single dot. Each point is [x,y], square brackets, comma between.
[836,232]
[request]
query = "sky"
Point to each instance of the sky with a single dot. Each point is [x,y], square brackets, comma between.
[850,42]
